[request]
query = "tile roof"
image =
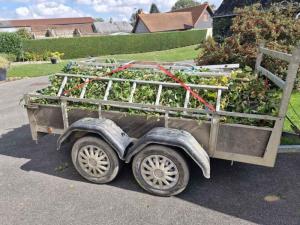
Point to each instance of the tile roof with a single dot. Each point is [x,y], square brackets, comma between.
[45,22]
[115,27]
[181,19]
[157,22]
[196,11]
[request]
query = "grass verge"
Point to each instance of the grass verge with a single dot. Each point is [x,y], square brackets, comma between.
[35,70]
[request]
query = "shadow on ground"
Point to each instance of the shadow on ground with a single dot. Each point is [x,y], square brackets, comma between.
[238,190]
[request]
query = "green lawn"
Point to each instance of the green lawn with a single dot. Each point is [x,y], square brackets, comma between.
[295,102]
[35,70]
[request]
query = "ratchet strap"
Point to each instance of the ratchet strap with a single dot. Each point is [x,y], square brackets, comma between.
[79,86]
[186,87]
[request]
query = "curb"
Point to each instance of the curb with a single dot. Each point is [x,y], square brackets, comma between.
[289,149]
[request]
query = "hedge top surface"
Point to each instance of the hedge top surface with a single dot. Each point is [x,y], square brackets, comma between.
[110,45]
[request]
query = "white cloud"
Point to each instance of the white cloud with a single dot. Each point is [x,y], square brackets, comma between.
[47,9]
[22,11]
[124,8]
[117,9]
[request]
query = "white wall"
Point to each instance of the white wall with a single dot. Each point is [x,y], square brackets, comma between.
[8,29]
[14,29]
[141,27]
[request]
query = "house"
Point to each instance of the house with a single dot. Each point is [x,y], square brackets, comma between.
[56,27]
[112,28]
[222,19]
[198,17]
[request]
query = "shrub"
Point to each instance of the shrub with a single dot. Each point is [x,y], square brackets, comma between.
[24,34]
[4,63]
[32,56]
[56,55]
[277,26]
[9,57]
[10,43]
[111,45]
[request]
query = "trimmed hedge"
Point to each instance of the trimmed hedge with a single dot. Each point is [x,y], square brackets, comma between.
[10,43]
[111,45]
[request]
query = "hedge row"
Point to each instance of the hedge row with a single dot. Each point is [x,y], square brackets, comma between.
[110,45]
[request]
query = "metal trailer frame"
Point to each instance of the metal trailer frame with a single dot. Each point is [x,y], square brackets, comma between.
[268,157]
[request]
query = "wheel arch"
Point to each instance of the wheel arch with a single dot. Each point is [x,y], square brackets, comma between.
[105,129]
[179,139]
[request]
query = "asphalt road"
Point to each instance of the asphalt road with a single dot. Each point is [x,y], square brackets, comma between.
[38,185]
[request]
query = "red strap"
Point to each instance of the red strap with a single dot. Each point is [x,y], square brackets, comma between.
[267,84]
[186,87]
[79,86]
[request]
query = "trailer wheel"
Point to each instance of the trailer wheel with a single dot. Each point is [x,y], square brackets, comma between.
[161,170]
[95,160]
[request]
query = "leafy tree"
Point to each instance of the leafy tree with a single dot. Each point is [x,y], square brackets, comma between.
[134,16]
[154,8]
[24,34]
[180,4]
[276,26]
[99,19]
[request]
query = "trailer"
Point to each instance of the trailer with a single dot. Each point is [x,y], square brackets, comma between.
[159,148]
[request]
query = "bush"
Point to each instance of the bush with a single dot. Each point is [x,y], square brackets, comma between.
[276,26]
[24,34]
[10,43]
[111,45]
[4,63]
[221,28]
[9,57]
[32,56]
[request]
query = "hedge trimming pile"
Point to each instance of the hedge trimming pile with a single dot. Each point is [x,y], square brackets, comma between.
[111,45]
[247,92]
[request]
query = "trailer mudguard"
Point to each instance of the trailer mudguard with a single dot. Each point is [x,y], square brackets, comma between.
[176,138]
[105,128]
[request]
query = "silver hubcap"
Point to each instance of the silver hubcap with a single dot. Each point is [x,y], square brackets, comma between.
[159,172]
[93,160]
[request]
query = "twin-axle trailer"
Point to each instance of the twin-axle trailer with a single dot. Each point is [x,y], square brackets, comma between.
[159,149]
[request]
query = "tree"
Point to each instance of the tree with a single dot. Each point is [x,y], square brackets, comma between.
[134,16]
[24,34]
[252,25]
[180,4]
[154,8]
[99,19]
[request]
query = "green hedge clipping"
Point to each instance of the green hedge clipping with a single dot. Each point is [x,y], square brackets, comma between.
[10,43]
[111,45]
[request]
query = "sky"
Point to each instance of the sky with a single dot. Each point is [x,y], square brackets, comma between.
[116,9]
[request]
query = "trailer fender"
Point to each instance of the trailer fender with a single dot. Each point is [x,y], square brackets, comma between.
[105,128]
[176,138]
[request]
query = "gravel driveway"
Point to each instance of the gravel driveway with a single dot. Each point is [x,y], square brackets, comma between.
[39,185]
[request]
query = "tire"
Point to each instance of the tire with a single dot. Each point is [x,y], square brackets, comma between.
[153,178]
[95,160]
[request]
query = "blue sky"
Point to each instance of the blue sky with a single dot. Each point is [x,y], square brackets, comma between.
[117,9]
